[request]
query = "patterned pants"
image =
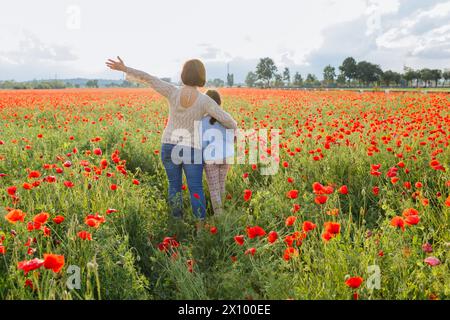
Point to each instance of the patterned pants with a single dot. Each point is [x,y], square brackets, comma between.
[216,175]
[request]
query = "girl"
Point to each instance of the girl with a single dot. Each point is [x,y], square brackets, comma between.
[218,152]
[187,105]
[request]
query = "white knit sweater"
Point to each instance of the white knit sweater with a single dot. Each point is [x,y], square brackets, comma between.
[182,127]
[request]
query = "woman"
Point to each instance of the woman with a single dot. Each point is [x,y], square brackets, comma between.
[181,147]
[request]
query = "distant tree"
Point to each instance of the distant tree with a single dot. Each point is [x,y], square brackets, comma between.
[446,76]
[349,68]
[437,75]
[409,75]
[230,79]
[311,80]
[266,70]
[329,73]
[341,79]
[368,73]
[278,82]
[251,79]
[390,76]
[426,75]
[92,84]
[287,76]
[218,83]
[298,80]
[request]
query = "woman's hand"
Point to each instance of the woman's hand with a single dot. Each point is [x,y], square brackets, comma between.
[116,65]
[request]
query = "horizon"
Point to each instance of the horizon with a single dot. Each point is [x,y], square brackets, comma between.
[60,40]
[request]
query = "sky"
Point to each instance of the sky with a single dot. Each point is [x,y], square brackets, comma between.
[72,38]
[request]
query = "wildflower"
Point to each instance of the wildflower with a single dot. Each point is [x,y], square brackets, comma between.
[354,282]
[58,219]
[289,253]
[239,240]
[53,262]
[250,251]
[84,235]
[398,222]
[256,231]
[432,261]
[290,221]
[343,189]
[293,194]
[30,265]
[15,215]
[321,199]
[308,226]
[272,237]
[247,195]
[41,217]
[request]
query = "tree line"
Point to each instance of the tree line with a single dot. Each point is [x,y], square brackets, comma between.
[351,74]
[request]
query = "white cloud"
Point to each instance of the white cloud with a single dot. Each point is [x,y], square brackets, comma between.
[425,33]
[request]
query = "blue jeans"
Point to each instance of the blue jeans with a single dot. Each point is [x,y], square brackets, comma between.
[177,159]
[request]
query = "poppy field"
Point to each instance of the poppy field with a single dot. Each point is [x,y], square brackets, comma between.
[359,207]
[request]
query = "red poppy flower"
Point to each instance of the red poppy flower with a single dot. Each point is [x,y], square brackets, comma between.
[295,208]
[398,222]
[318,188]
[213,230]
[410,212]
[354,282]
[326,236]
[98,151]
[41,217]
[332,227]
[376,190]
[447,201]
[289,253]
[109,211]
[272,237]
[113,187]
[15,215]
[11,190]
[247,195]
[321,199]
[94,220]
[84,235]
[69,184]
[30,265]
[2,250]
[34,174]
[290,221]
[343,189]
[196,196]
[46,231]
[308,226]
[28,284]
[27,186]
[250,251]
[58,219]
[256,231]
[136,182]
[412,220]
[293,194]
[239,240]
[53,262]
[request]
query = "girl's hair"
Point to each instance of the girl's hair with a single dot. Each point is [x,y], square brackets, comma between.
[194,73]
[213,94]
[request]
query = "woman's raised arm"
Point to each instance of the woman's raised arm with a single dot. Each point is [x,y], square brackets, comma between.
[213,109]
[133,75]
